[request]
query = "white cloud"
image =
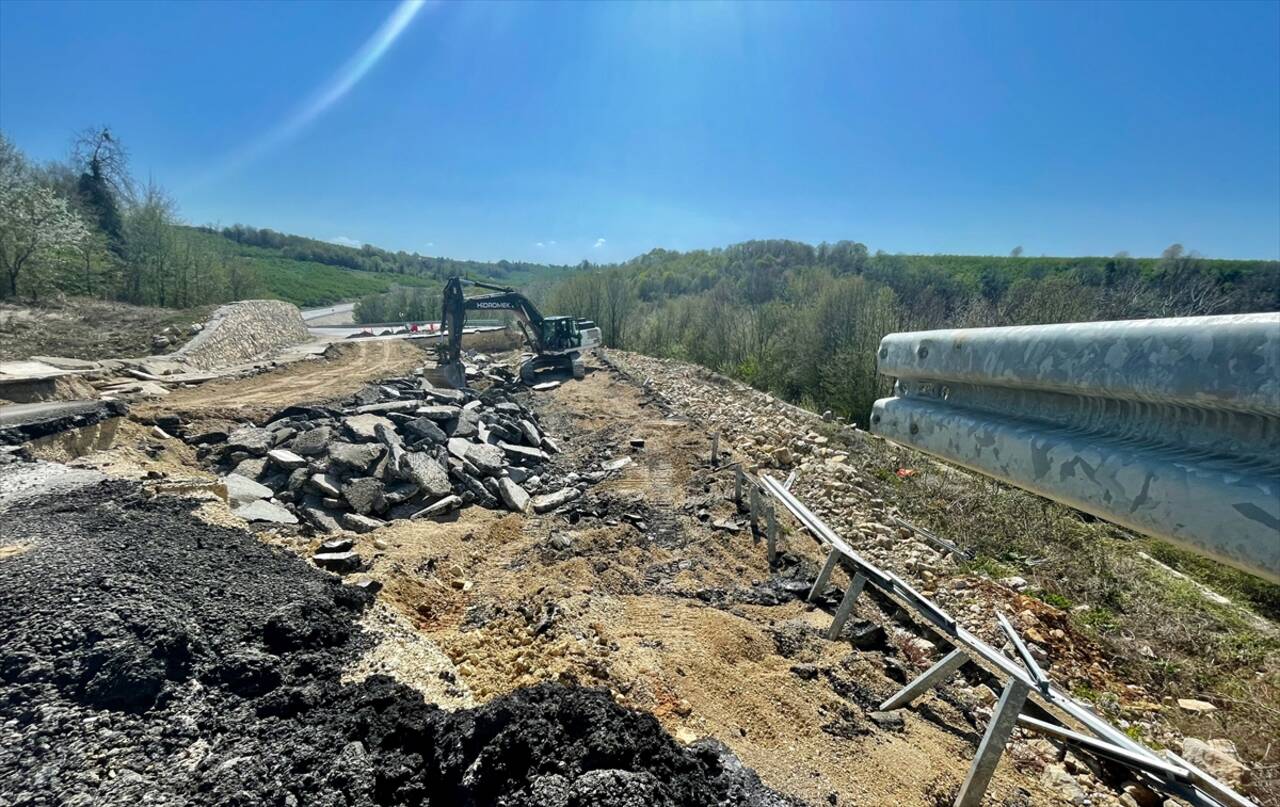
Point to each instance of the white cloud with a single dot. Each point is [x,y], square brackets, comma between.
[431,243]
[599,243]
[540,244]
[552,243]
[345,241]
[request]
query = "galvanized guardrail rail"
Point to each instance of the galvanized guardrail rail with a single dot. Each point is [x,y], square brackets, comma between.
[1023,682]
[1170,427]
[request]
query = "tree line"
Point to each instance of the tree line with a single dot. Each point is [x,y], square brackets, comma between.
[804,322]
[368,258]
[400,304]
[83,226]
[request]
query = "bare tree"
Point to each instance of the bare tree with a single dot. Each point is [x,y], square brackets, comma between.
[99,153]
[1016,252]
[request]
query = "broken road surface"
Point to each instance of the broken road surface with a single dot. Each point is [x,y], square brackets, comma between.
[614,645]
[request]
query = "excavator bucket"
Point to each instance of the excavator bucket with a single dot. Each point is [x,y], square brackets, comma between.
[446,374]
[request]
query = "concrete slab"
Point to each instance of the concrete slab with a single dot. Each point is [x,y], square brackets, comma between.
[22,422]
[30,370]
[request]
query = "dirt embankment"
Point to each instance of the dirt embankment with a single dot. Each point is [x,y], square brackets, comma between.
[1176,665]
[88,329]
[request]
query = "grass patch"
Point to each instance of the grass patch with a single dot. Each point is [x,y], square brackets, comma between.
[1052,598]
[991,567]
[1259,595]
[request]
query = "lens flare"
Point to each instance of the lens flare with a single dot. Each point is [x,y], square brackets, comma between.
[326,96]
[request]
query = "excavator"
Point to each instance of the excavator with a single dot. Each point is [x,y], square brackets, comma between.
[557,342]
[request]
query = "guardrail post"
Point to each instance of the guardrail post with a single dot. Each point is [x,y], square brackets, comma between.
[846,605]
[1001,726]
[715,448]
[771,532]
[929,679]
[820,582]
[755,513]
[737,486]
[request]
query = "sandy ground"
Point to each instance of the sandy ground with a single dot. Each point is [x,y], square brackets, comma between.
[620,608]
[345,368]
[661,612]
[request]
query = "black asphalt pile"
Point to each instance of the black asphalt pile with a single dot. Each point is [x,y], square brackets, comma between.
[149,657]
[398,449]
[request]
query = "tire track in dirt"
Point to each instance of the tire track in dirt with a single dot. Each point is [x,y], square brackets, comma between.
[345,368]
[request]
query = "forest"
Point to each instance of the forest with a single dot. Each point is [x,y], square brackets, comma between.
[803,322]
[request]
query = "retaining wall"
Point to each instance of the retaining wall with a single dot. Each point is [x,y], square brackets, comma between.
[244,332]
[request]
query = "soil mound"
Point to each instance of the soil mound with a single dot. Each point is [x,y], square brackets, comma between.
[149,657]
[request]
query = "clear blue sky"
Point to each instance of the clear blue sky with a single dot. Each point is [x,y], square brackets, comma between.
[569,131]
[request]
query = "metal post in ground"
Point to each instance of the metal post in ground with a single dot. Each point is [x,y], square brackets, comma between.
[846,605]
[755,513]
[819,583]
[771,532]
[927,680]
[715,448]
[737,486]
[998,730]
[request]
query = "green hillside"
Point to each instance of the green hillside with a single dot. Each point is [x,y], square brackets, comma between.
[311,273]
[305,283]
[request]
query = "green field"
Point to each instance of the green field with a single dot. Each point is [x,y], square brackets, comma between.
[310,285]
[306,284]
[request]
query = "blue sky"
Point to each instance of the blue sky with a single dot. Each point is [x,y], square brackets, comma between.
[567,131]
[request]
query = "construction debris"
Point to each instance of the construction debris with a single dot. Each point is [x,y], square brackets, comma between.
[398,449]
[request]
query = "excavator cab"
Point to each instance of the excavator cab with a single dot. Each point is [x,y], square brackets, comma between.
[560,333]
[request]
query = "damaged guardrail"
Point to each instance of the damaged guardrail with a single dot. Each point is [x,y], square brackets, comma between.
[1170,427]
[1022,681]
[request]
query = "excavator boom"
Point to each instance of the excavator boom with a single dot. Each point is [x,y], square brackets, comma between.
[556,341]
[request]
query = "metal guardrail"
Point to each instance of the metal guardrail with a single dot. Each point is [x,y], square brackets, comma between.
[1169,774]
[1170,427]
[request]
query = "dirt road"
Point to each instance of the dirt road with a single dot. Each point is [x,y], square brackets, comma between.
[344,368]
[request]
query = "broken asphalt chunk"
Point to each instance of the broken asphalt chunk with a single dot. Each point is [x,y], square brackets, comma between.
[286,459]
[616,465]
[445,505]
[340,562]
[242,490]
[550,501]
[513,496]
[262,510]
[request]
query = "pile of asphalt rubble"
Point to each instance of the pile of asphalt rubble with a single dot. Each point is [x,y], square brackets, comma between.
[148,657]
[399,449]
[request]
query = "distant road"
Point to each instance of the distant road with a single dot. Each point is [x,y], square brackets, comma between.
[340,314]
